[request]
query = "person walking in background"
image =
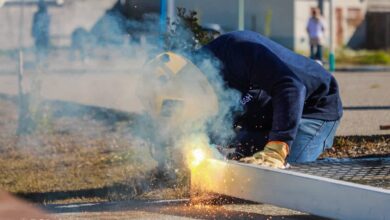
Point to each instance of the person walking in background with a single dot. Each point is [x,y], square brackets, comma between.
[41,29]
[315,28]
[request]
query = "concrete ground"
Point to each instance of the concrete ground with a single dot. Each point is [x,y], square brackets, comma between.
[365,95]
[366,100]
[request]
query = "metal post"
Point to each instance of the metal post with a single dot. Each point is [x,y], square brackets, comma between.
[241,15]
[321,6]
[332,62]
[167,11]
[163,15]
[171,9]
[163,22]
[23,108]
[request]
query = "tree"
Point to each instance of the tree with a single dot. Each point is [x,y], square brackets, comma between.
[185,33]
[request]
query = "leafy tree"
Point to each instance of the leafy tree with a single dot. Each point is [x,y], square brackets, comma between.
[185,33]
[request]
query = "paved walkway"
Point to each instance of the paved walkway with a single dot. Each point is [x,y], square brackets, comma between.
[366,100]
[365,95]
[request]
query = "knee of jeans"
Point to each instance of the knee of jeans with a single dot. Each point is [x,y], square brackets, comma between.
[328,143]
[310,154]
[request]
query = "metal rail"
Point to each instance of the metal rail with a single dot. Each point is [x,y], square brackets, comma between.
[312,194]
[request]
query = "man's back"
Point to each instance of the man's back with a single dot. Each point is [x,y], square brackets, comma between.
[299,87]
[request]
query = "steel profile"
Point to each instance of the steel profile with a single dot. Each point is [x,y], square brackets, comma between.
[312,194]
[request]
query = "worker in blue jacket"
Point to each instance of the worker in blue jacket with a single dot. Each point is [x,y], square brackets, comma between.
[292,104]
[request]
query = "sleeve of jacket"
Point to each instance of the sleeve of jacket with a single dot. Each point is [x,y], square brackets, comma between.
[288,97]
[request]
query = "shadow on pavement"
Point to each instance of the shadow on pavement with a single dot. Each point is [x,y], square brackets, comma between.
[179,208]
[107,192]
[362,108]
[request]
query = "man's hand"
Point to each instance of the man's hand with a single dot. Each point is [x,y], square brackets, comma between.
[274,155]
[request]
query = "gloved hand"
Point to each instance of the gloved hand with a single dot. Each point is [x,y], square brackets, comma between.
[274,155]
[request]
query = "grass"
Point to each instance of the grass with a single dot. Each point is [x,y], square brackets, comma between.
[70,163]
[80,158]
[363,57]
[346,56]
[359,146]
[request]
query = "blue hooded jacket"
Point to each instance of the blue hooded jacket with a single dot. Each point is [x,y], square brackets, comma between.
[292,85]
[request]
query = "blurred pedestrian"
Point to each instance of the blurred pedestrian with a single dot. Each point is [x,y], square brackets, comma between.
[41,29]
[315,28]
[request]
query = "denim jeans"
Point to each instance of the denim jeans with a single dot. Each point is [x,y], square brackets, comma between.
[313,137]
[316,52]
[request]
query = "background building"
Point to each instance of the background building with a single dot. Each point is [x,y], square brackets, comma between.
[282,20]
[376,27]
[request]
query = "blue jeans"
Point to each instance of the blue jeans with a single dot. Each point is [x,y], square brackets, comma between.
[316,52]
[313,137]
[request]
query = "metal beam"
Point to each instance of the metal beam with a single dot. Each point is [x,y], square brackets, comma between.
[316,195]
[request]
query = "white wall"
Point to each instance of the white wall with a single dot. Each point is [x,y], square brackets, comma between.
[77,13]
[282,26]
[345,4]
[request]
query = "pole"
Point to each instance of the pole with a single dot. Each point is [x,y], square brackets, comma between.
[332,61]
[321,6]
[171,9]
[163,21]
[163,15]
[241,15]
[23,112]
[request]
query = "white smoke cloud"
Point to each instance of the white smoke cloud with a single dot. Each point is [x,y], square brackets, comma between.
[116,77]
